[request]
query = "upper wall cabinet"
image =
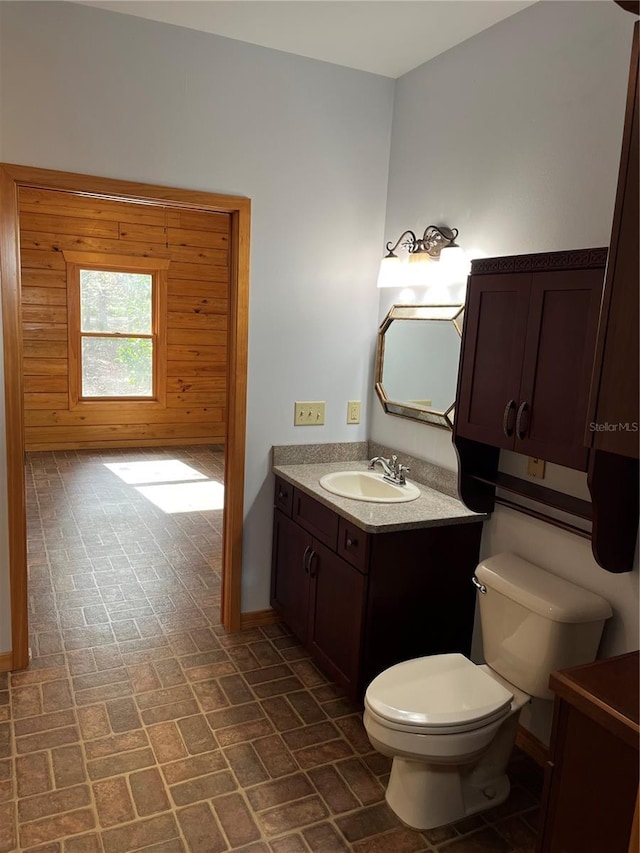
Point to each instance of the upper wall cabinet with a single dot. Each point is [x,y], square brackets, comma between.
[528,346]
[614,392]
[613,410]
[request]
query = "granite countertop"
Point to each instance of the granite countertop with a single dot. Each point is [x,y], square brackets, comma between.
[431,509]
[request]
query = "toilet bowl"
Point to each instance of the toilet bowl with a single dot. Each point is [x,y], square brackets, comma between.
[451,749]
[449,724]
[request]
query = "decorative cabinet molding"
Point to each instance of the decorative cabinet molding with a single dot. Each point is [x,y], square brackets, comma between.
[541,261]
[361,602]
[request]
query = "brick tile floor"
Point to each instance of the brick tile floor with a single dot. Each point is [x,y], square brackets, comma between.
[141,725]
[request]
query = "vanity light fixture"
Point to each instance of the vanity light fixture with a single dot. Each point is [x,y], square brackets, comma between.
[421,250]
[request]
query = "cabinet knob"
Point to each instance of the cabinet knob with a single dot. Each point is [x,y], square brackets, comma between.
[351,542]
[281,495]
[506,418]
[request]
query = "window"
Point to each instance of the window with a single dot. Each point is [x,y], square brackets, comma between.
[116,318]
[116,334]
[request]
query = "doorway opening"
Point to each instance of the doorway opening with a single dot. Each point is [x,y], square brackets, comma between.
[45,414]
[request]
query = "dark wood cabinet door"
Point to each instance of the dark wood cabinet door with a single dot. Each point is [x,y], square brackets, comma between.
[593,786]
[290,581]
[615,397]
[338,594]
[493,346]
[556,368]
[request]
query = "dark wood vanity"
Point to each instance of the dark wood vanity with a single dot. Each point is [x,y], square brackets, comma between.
[361,601]
[591,778]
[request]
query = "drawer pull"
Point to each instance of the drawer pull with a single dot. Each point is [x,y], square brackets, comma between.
[305,559]
[507,429]
[312,572]
[520,432]
[282,495]
[351,542]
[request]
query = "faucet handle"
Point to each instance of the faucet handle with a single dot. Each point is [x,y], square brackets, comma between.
[400,472]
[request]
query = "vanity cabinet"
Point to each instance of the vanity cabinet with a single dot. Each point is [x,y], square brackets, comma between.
[360,601]
[528,347]
[321,597]
[591,780]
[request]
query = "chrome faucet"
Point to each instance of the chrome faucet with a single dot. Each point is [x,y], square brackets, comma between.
[384,463]
[394,472]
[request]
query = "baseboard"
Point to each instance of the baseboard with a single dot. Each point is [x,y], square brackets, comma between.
[531,746]
[6,661]
[258,618]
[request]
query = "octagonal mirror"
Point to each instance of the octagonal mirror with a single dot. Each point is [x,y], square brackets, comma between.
[417,362]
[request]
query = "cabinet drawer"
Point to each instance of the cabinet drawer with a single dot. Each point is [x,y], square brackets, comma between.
[318,519]
[353,545]
[283,496]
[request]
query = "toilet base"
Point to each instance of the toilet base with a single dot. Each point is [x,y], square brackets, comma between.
[426,798]
[425,795]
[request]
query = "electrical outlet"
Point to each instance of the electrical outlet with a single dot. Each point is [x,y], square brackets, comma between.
[353,412]
[309,414]
[535,467]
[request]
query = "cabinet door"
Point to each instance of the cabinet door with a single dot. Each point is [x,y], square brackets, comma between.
[557,364]
[289,578]
[335,621]
[615,379]
[592,787]
[493,346]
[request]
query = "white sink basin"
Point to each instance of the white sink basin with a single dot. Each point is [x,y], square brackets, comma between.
[368,486]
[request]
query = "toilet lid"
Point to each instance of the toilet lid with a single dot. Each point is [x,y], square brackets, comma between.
[440,690]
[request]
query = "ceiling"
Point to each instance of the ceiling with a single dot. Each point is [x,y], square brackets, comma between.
[388,37]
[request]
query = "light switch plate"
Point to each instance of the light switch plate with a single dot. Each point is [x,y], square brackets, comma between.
[309,413]
[353,412]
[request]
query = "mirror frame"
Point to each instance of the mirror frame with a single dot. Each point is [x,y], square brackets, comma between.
[449,313]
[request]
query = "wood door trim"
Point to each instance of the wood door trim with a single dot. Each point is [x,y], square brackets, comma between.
[14,417]
[13,176]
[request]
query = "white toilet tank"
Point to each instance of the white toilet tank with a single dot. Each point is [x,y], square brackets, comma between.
[534,622]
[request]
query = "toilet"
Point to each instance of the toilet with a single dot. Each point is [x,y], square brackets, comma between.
[449,724]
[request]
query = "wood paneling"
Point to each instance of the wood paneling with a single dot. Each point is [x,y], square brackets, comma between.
[191,403]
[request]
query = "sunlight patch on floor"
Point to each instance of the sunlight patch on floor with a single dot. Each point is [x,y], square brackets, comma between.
[185,497]
[154,471]
[171,485]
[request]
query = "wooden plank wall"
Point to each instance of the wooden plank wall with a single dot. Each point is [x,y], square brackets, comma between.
[197,244]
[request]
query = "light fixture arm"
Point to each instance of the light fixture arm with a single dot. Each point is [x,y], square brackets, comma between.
[432,242]
[409,243]
[436,238]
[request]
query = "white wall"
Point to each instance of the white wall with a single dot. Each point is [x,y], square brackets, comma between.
[513,137]
[90,91]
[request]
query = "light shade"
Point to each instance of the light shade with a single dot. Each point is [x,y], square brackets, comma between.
[420,269]
[390,275]
[454,264]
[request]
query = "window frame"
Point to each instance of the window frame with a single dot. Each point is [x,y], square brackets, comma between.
[155,267]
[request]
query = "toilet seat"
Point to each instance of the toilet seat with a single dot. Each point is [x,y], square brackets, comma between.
[439,694]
